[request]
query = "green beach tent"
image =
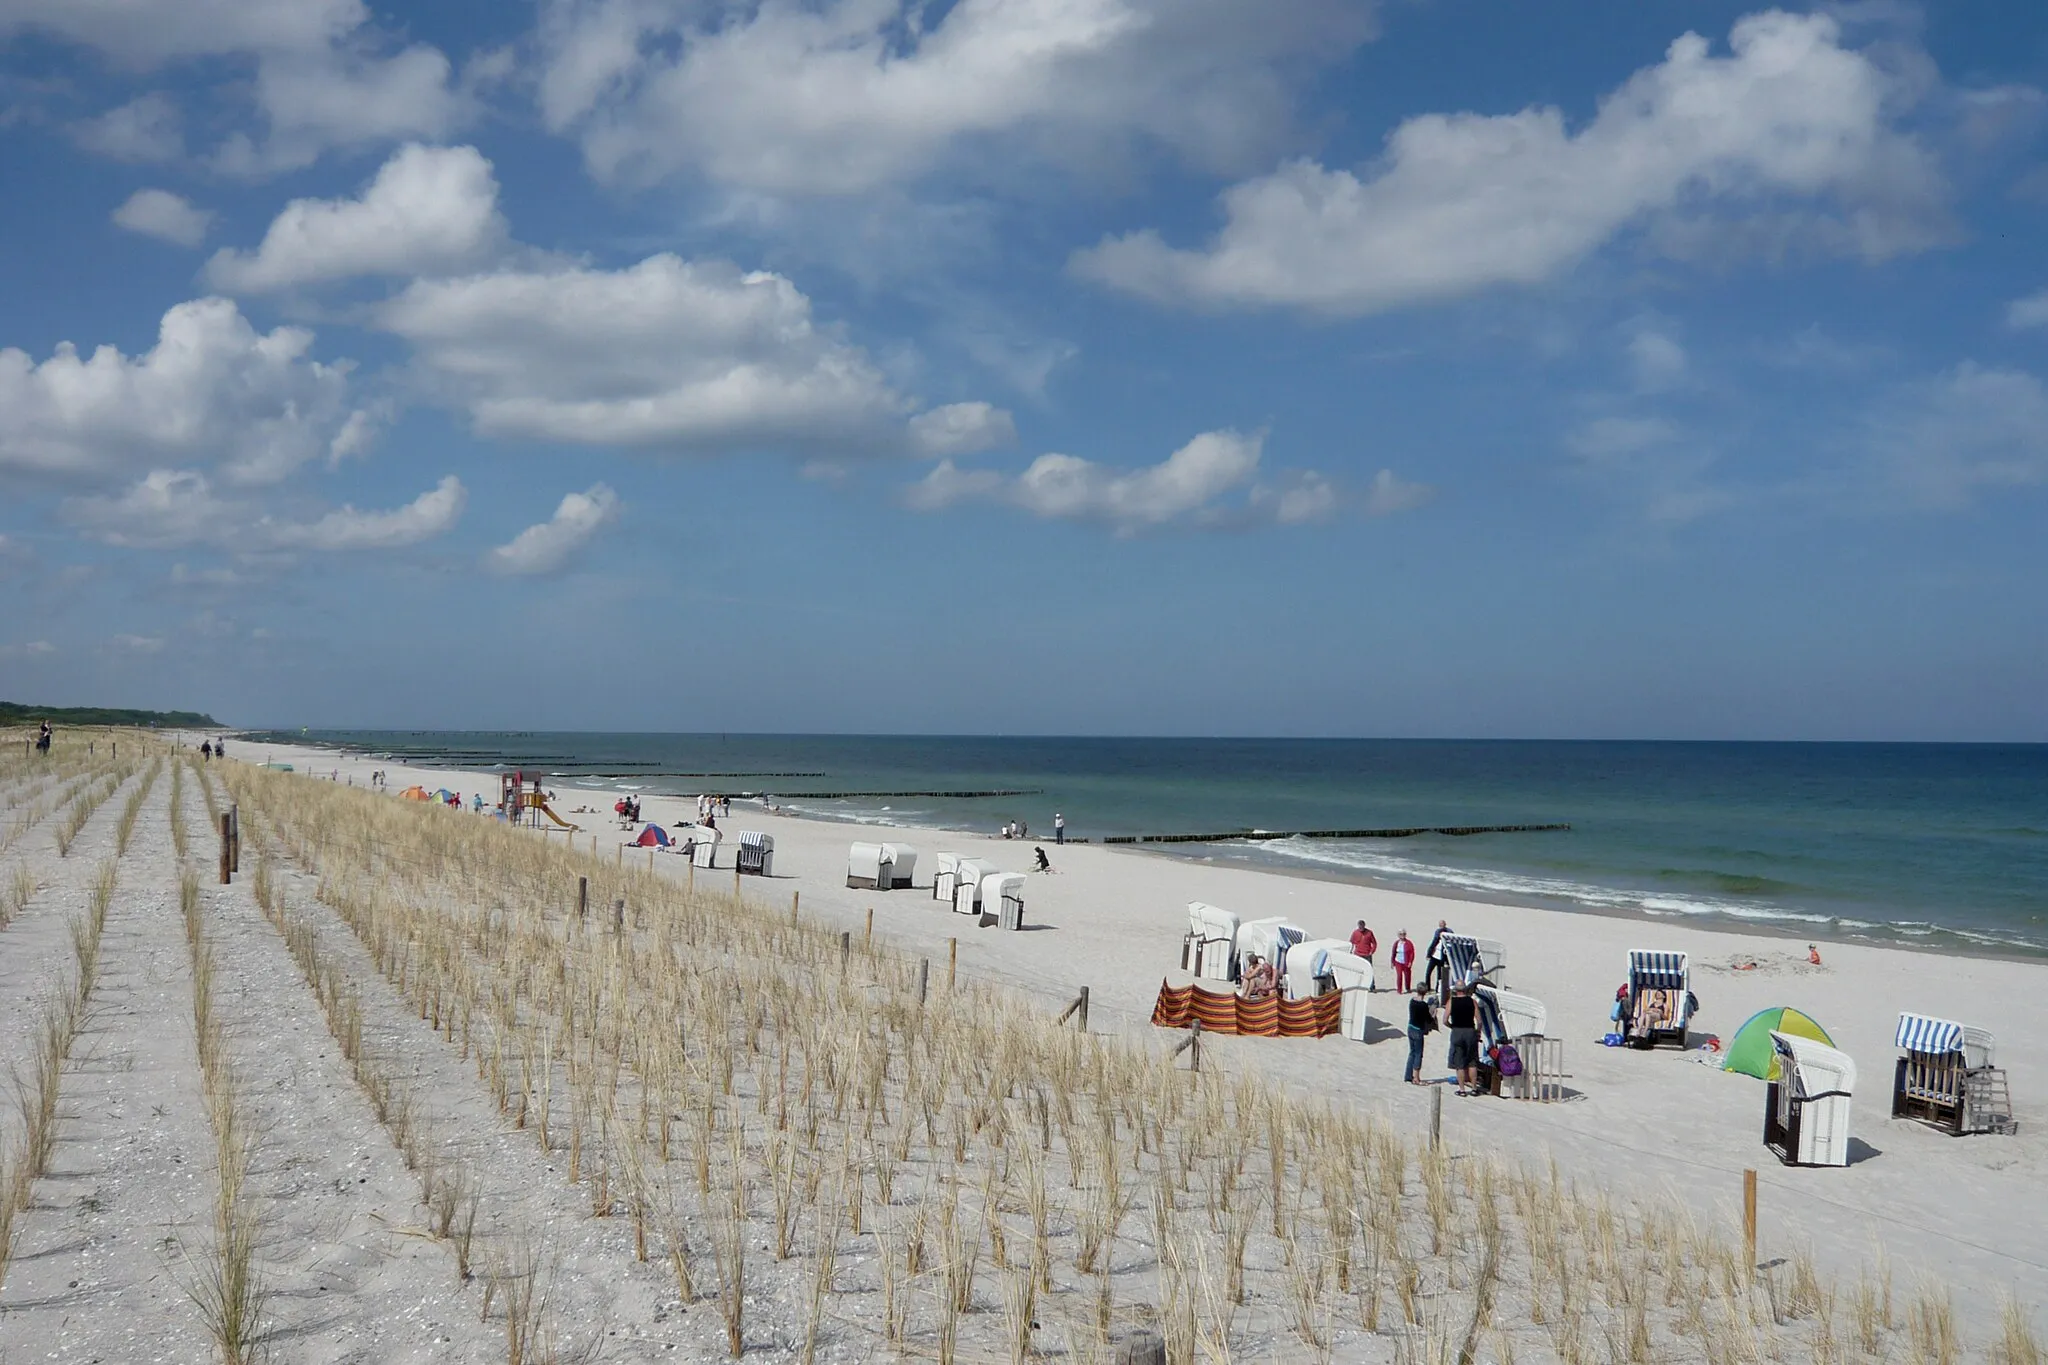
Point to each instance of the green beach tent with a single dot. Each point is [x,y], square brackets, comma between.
[1751,1052]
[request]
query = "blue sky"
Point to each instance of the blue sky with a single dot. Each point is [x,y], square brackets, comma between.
[1429,367]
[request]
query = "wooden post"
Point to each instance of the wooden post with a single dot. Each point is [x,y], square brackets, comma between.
[1749,1215]
[619,915]
[1195,1045]
[1141,1348]
[845,949]
[227,868]
[582,898]
[870,938]
[622,855]
[924,978]
[235,838]
[1436,1116]
[650,857]
[690,877]
[1083,1011]
[952,962]
[794,900]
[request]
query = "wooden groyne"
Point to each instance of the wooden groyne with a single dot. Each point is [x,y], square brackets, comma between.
[834,796]
[1262,835]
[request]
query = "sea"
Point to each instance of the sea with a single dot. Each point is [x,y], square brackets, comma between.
[1939,845]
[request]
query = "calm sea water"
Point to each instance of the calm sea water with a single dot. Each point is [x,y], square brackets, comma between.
[1943,844]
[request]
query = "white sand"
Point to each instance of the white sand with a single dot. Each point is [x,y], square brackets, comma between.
[1966,1210]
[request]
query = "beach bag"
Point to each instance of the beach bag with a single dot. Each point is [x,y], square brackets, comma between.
[1507,1060]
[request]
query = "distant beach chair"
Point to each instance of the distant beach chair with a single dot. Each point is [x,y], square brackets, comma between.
[756,853]
[1210,948]
[967,875]
[1521,1022]
[704,853]
[1002,895]
[1304,976]
[1660,998]
[1806,1112]
[1269,939]
[1469,960]
[902,860]
[866,867]
[946,876]
[1948,1077]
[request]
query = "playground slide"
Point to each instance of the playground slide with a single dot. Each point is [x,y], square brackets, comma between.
[548,811]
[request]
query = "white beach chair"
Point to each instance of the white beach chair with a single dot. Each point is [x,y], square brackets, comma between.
[864,867]
[1352,975]
[1210,949]
[947,872]
[756,853]
[1269,939]
[902,860]
[1002,895]
[1806,1112]
[967,885]
[705,852]
[1306,964]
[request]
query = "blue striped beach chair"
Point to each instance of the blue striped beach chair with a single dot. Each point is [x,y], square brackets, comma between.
[1660,998]
[1948,1077]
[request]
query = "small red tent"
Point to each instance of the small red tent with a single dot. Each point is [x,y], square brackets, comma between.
[654,836]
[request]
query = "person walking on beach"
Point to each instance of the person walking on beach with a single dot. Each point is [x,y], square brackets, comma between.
[1363,943]
[1435,953]
[1464,1058]
[1421,1023]
[1403,953]
[1059,828]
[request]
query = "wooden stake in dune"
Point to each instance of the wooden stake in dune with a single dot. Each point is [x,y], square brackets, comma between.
[924,978]
[235,838]
[582,898]
[1749,1216]
[795,898]
[1192,1045]
[952,962]
[845,950]
[619,915]
[227,867]
[1077,1011]
[1436,1116]
[870,938]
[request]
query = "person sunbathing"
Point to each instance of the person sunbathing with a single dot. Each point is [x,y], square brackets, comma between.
[1260,979]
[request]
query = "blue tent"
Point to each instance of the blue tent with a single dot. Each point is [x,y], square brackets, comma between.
[654,836]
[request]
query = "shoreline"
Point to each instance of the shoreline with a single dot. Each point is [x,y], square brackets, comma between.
[1938,941]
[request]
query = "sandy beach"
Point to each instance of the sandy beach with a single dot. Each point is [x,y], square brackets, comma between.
[1963,1210]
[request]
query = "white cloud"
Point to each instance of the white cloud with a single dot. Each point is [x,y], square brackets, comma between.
[2031,311]
[666,355]
[150,33]
[846,95]
[146,129]
[345,96]
[430,210]
[1657,360]
[325,75]
[962,429]
[212,388]
[431,513]
[1971,429]
[139,644]
[547,546]
[1189,487]
[171,509]
[165,216]
[1462,202]
[1390,494]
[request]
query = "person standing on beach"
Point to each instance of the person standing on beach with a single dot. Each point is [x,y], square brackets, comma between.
[1464,1058]
[1363,943]
[1403,953]
[1434,953]
[1421,1023]
[1059,828]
